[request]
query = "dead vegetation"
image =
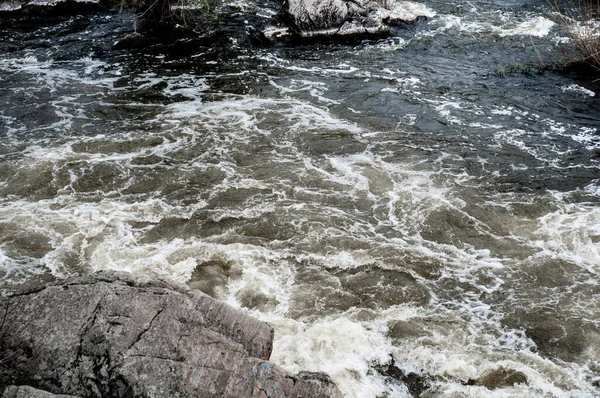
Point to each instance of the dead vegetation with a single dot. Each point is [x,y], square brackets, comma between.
[581,21]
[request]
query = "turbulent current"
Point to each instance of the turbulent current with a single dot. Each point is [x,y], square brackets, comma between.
[414,215]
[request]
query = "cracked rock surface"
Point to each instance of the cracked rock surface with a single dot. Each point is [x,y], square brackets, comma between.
[117,335]
[343,18]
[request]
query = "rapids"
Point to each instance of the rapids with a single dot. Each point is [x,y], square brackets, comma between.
[409,214]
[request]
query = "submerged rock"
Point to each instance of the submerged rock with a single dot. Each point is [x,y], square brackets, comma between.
[500,378]
[211,278]
[340,19]
[135,40]
[115,334]
[415,383]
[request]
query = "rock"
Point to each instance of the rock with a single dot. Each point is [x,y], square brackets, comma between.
[10,6]
[400,330]
[135,40]
[555,334]
[310,16]
[276,34]
[115,334]
[415,383]
[30,392]
[500,378]
[342,19]
[159,33]
[211,277]
[43,7]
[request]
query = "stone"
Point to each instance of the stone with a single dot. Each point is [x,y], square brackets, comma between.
[342,19]
[135,40]
[276,34]
[316,15]
[500,378]
[11,6]
[30,392]
[116,334]
[555,334]
[43,7]
[211,277]
[415,383]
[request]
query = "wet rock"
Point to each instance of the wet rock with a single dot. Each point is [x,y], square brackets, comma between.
[415,383]
[323,292]
[148,160]
[11,6]
[555,333]
[160,34]
[276,34]
[30,392]
[500,378]
[400,330]
[115,334]
[135,40]
[211,278]
[45,7]
[257,300]
[338,19]
[381,288]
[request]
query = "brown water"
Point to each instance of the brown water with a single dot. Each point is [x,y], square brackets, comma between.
[412,215]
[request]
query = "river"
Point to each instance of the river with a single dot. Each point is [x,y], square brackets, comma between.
[411,215]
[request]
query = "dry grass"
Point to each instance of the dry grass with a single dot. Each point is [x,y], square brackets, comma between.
[387,4]
[582,23]
[152,14]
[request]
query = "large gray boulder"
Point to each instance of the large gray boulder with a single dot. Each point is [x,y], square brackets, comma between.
[115,335]
[344,18]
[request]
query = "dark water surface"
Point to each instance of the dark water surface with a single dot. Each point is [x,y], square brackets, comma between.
[414,215]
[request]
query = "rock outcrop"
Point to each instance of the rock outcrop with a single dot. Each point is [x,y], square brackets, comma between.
[114,334]
[341,19]
[47,6]
[30,392]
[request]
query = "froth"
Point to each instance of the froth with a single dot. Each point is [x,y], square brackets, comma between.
[571,233]
[87,237]
[342,347]
[578,89]
[498,24]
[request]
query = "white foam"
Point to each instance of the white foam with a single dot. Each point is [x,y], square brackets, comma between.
[570,233]
[18,269]
[593,189]
[339,69]
[316,89]
[414,9]
[578,89]
[243,113]
[101,235]
[342,347]
[538,27]
[50,76]
[587,136]
[495,23]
